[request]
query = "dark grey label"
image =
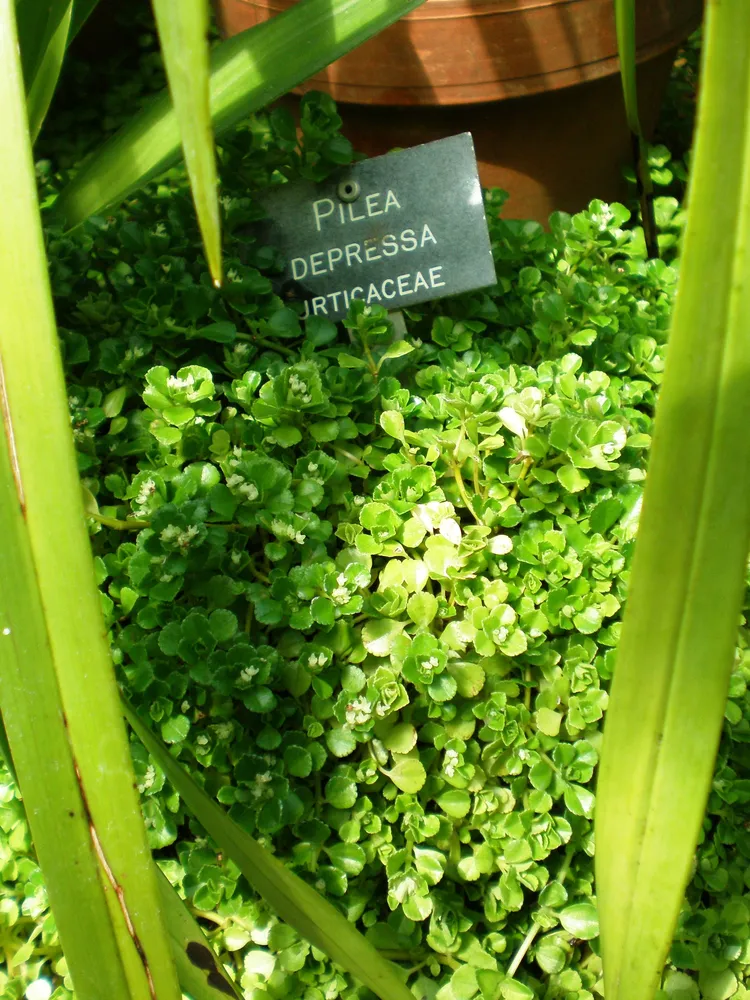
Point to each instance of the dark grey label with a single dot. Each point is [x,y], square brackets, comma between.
[395,230]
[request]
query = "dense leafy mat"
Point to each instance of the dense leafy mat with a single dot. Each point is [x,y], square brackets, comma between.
[373,590]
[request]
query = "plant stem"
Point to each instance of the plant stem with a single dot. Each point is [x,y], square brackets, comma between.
[135,524]
[273,346]
[212,917]
[521,953]
[475,474]
[462,490]
[447,960]
[548,760]
[535,927]
[527,463]
[370,360]
[256,338]
[258,575]
[348,454]
[112,522]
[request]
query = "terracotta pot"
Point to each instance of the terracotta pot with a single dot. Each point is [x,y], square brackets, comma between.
[535,81]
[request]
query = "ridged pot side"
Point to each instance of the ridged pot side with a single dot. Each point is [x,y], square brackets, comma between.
[535,81]
[470,51]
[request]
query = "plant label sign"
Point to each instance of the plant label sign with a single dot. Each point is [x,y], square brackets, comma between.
[396,230]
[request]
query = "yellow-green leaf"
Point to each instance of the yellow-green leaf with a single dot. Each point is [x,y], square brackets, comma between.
[37,743]
[183,33]
[625,15]
[626,44]
[37,22]
[687,581]
[407,774]
[42,86]
[57,675]
[200,972]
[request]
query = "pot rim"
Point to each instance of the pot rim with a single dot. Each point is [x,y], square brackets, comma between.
[380,74]
[465,8]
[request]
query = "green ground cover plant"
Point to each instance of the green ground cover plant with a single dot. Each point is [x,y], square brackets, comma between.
[369,592]
[77,780]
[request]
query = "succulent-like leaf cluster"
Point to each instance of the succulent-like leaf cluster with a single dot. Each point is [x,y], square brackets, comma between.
[370,592]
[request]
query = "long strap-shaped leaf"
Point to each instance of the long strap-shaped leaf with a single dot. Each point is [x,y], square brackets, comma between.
[37,22]
[198,969]
[247,72]
[686,585]
[294,900]
[42,87]
[82,10]
[45,550]
[33,716]
[183,33]
[626,44]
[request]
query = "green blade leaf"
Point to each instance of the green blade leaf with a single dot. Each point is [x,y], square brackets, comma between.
[686,585]
[48,72]
[247,72]
[45,527]
[37,743]
[82,9]
[63,24]
[5,753]
[626,46]
[37,22]
[294,900]
[625,15]
[183,32]
[29,697]
[199,970]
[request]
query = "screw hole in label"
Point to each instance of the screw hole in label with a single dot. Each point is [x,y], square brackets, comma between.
[348,190]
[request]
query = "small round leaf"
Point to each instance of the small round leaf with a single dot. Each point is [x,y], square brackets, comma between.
[582,921]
